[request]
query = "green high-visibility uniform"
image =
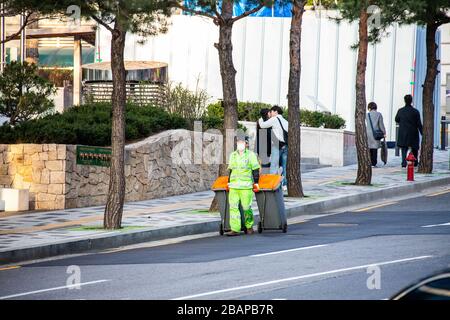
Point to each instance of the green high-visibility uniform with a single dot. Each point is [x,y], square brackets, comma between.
[241,187]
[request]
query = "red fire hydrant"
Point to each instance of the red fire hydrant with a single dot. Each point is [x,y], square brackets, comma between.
[411,160]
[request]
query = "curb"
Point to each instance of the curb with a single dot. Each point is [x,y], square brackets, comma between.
[321,206]
[100,242]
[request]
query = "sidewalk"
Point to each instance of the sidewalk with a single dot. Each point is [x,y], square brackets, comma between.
[41,234]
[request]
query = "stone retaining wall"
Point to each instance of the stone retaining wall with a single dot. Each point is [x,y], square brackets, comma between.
[56,181]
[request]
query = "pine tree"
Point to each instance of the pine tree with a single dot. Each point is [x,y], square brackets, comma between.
[373,17]
[221,13]
[430,14]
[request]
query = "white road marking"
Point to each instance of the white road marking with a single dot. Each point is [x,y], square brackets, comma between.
[437,225]
[289,250]
[300,277]
[52,289]
[438,193]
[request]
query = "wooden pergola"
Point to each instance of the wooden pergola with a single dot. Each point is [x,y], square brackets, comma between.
[79,33]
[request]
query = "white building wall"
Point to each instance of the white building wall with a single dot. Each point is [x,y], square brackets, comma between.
[261,58]
[445,66]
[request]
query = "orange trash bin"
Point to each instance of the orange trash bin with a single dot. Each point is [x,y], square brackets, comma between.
[220,187]
[270,200]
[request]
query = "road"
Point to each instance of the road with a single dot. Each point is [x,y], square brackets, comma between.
[365,254]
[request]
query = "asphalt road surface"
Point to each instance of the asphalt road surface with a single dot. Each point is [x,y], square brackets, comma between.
[366,254]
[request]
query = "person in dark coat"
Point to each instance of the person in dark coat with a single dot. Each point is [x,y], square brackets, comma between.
[410,126]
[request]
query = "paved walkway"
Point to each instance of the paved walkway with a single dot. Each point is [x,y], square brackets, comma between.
[39,228]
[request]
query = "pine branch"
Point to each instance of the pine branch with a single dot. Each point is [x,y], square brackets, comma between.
[247,13]
[103,23]
[197,12]
[26,22]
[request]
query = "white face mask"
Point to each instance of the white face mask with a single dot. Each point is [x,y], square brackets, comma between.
[241,146]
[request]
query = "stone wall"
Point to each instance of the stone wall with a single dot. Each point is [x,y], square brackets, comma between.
[37,167]
[56,181]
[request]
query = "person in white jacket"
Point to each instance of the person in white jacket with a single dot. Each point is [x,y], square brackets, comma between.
[279,127]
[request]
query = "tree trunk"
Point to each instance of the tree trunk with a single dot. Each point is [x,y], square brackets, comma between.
[228,74]
[364,175]
[116,192]
[294,180]
[426,150]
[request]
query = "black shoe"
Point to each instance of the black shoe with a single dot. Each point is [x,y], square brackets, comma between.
[233,234]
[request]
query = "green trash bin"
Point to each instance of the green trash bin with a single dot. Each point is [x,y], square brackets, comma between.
[270,200]
[220,187]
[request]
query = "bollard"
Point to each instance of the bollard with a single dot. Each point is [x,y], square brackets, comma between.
[443,133]
[397,149]
[410,170]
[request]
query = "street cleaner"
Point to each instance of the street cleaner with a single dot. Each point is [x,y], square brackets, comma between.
[243,181]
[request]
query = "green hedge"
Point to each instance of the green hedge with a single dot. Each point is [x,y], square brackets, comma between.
[249,111]
[318,119]
[91,125]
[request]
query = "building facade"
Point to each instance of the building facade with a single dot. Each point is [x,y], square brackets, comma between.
[261,59]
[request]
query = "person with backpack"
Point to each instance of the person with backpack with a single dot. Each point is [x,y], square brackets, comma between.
[279,126]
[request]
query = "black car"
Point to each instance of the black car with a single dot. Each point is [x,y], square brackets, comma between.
[434,287]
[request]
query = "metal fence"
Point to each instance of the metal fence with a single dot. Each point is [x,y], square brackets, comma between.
[142,93]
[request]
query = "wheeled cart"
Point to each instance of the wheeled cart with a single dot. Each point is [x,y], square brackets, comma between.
[220,187]
[272,212]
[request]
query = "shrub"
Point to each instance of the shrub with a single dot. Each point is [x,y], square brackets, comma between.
[250,111]
[317,119]
[247,111]
[188,104]
[91,125]
[334,121]
[23,93]
[212,122]
[310,118]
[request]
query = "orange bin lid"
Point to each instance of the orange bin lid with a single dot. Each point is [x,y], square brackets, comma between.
[270,181]
[221,183]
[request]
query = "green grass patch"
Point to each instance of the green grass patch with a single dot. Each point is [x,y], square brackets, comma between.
[202,211]
[348,183]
